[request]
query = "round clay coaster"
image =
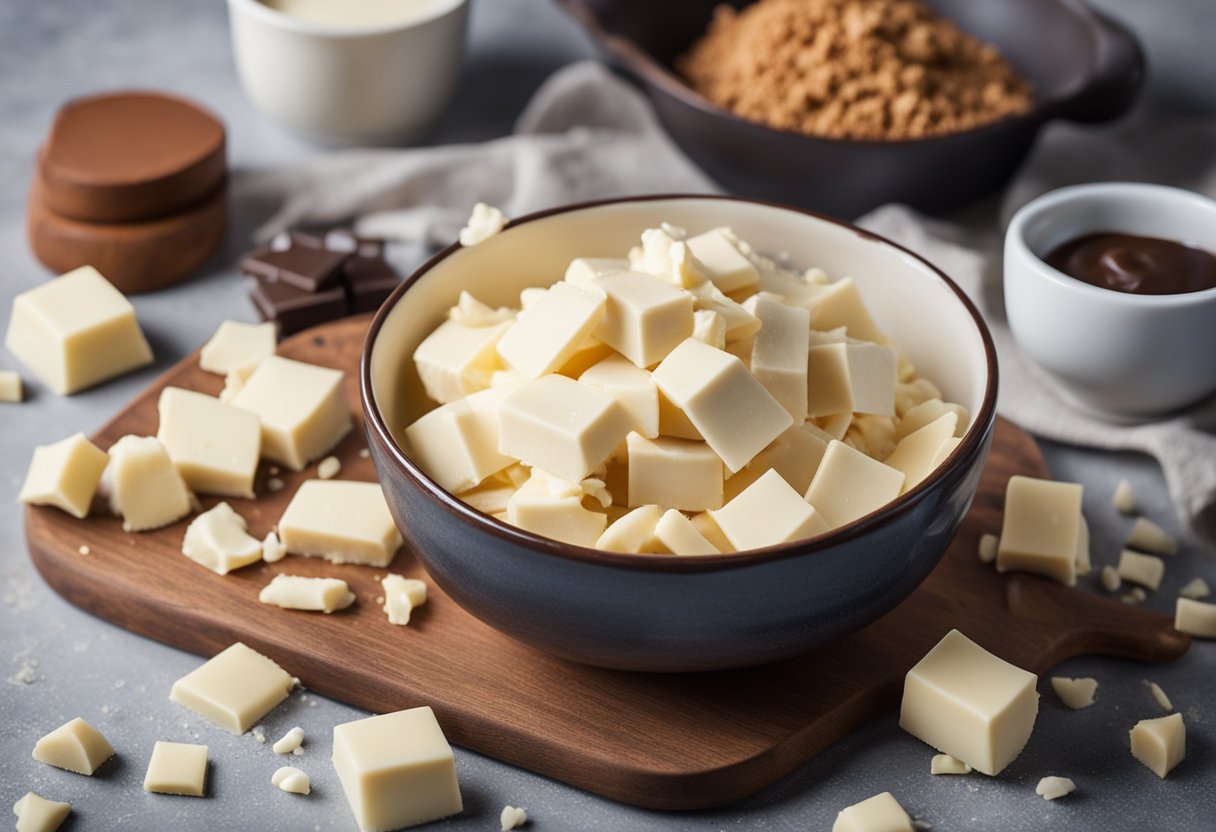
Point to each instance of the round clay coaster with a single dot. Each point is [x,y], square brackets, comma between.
[128,156]
[134,256]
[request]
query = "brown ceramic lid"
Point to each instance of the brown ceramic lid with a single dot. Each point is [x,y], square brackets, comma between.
[128,156]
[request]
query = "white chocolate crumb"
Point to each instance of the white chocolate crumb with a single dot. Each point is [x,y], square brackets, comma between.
[1124,500]
[84,550]
[401,596]
[259,733]
[290,741]
[512,817]
[364,453]
[1055,787]
[298,752]
[329,467]
[1075,693]
[1110,579]
[274,484]
[1135,595]
[945,764]
[988,547]
[1147,536]
[273,549]
[291,779]
[1196,589]
[1160,697]
[484,223]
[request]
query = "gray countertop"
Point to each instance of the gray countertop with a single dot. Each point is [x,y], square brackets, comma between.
[57,662]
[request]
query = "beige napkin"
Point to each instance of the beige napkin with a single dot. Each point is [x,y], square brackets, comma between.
[587,135]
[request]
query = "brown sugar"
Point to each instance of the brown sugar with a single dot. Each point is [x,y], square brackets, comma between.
[852,69]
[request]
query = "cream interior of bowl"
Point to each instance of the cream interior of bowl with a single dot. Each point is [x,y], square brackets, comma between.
[908,299]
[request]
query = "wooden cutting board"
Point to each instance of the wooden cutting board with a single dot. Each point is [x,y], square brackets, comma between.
[659,741]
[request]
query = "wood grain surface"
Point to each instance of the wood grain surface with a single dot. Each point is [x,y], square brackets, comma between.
[659,741]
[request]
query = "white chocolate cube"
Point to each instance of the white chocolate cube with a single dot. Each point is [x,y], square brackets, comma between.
[294,592]
[768,512]
[177,768]
[302,408]
[1149,537]
[645,318]
[341,521]
[851,378]
[633,532]
[679,536]
[12,392]
[673,473]
[930,411]
[848,485]
[970,704]
[237,346]
[780,352]
[456,444]
[917,453]
[146,489]
[632,387]
[1041,529]
[1145,570]
[725,402]
[233,689]
[840,304]
[584,271]
[401,596]
[720,260]
[560,425]
[552,506]
[214,445]
[37,814]
[74,746]
[1159,743]
[76,331]
[548,332]
[709,328]
[217,539]
[880,813]
[795,455]
[65,475]
[456,360]
[711,531]
[740,324]
[397,770]
[1196,618]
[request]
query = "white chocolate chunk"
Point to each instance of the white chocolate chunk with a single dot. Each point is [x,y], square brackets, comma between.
[836,426]
[561,425]
[146,489]
[490,498]
[673,422]
[456,360]
[1159,697]
[1160,743]
[512,817]
[291,779]
[1146,570]
[397,769]
[1084,565]
[552,506]
[1195,589]
[341,521]
[551,330]
[741,325]
[273,549]
[721,262]
[711,531]
[76,331]
[217,539]
[779,351]
[234,689]
[302,408]
[37,814]
[945,764]
[709,328]
[469,311]
[1053,788]
[236,346]
[880,813]
[767,513]
[234,382]
[1110,579]
[65,475]
[1147,536]
[456,444]
[673,473]
[633,532]
[1135,595]
[644,318]
[484,222]
[12,392]
[1041,528]
[584,271]
[177,768]
[1195,618]
[725,402]
[840,304]
[988,547]
[329,468]
[632,387]
[589,353]
[680,537]
[289,742]
[1075,693]
[214,445]
[930,411]
[968,703]
[849,485]
[293,592]
[401,596]
[852,377]
[795,455]
[1124,499]
[74,746]
[916,453]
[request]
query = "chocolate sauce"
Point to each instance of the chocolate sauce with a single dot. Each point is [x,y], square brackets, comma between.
[1137,265]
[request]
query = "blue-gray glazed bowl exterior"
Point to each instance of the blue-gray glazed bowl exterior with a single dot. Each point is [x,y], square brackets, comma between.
[665,612]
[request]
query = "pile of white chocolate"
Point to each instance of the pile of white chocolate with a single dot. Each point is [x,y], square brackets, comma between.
[693,398]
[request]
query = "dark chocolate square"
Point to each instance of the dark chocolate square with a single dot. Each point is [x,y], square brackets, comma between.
[295,309]
[304,263]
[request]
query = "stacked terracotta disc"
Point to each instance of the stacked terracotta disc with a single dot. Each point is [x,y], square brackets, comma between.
[132,183]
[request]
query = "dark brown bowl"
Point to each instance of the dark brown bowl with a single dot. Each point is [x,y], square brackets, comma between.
[1085,67]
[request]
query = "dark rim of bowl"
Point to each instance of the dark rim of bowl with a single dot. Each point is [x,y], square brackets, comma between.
[655,73]
[981,424]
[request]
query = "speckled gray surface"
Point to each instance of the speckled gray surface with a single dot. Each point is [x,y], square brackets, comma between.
[57,662]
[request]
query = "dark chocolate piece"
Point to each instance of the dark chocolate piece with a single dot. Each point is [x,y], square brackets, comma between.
[369,282]
[294,309]
[302,265]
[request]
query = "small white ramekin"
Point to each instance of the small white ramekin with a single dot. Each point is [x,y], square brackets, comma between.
[1117,355]
[366,85]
